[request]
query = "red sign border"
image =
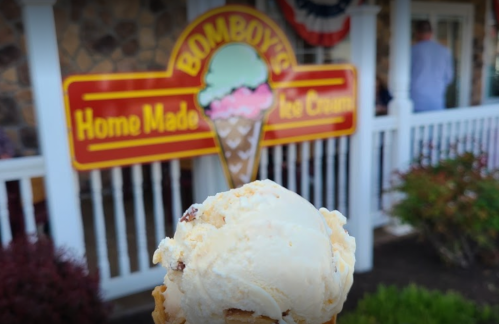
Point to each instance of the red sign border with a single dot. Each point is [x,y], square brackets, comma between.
[168,73]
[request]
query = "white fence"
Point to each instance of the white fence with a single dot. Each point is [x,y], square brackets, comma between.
[434,136]
[474,130]
[22,170]
[123,232]
[127,211]
[317,170]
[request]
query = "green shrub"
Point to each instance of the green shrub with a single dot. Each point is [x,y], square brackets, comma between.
[415,305]
[453,204]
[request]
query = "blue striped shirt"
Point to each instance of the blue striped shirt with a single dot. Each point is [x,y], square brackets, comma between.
[432,71]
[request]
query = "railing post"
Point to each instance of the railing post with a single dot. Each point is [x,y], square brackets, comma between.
[208,175]
[400,65]
[363,49]
[45,73]
[401,104]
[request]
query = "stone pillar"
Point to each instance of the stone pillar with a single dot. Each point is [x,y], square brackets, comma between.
[363,42]
[45,73]
[401,104]
[208,174]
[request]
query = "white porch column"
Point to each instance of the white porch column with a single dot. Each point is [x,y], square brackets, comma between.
[363,42]
[400,69]
[401,104]
[208,175]
[45,74]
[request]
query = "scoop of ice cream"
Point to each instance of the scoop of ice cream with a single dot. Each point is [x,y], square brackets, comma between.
[259,248]
[243,102]
[234,66]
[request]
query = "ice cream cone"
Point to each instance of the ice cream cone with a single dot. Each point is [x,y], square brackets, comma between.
[239,138]
[159,315]
[232,316]
[256,250]
[235,316]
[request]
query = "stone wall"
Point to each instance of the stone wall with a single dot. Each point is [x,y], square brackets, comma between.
[94,36]
[384,34]
[16,107]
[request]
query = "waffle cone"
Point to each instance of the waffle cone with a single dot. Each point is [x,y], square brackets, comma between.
[239,138]
[235,316]
[159,315]
[232,316]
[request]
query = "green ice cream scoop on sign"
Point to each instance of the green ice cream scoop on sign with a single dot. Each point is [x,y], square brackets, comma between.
[232,67]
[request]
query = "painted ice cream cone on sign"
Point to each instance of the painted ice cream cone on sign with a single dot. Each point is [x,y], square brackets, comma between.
[236,97]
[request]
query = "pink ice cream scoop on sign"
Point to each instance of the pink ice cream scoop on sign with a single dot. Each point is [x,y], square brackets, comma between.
[242,102]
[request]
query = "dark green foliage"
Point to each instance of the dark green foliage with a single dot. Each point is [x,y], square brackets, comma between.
[416,305]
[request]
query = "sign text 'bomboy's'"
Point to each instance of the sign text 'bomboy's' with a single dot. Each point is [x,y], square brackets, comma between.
[232,81]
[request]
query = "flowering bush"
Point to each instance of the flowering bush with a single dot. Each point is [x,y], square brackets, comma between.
[38,284]
[455,205]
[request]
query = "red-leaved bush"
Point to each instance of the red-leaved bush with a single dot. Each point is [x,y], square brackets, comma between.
[455,205]
[40,284]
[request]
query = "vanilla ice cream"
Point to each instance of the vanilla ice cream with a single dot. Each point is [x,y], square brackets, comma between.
[259,248]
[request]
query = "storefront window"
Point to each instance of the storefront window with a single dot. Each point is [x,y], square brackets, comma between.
[305,53]
[493,66]
[491,63]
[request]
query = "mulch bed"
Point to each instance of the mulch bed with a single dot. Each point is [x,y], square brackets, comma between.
[410,260]
[402,262]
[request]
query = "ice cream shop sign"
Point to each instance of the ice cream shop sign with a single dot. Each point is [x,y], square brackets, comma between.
[232,85]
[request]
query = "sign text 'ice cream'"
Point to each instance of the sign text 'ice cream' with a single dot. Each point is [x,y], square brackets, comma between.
[232,85]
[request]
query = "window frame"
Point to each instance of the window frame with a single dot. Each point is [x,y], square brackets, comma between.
[489,20]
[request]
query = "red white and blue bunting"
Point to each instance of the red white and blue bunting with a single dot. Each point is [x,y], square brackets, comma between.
[319,22]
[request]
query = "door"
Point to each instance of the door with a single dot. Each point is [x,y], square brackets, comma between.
[452,25]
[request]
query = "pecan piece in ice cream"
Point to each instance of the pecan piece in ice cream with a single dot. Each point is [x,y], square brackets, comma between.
[189,215]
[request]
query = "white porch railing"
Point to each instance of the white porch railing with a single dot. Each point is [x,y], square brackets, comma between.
[384,132]
[434,136]
[441,134]
[123,232]
[304,167]
[22,170]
